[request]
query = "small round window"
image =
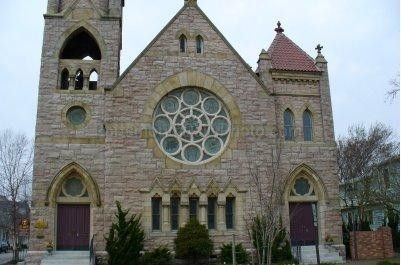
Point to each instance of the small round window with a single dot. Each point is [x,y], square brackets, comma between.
[191,125]
[76,115]
[302,187]
[74,187]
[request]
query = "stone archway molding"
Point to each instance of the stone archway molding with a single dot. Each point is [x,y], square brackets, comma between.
[86,26]
[55,185]
[320,188]
[196,79]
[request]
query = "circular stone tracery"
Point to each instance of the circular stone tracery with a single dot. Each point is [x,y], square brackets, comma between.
[191,125]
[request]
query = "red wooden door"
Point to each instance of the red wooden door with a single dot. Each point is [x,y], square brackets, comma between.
[73,227]
[302,228]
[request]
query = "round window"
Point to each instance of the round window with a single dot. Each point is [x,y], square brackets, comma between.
[73,187]
[302,187]
[191,125]
[76,115]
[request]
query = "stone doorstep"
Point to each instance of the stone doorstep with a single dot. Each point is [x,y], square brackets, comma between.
[67,258]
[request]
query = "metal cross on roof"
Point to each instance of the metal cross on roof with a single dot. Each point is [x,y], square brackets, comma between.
[319,48]
[279,29]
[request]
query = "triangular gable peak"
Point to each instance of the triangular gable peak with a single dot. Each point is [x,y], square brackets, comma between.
[213,188]
[83,5]
[287,56]
[193,189]
[189,5]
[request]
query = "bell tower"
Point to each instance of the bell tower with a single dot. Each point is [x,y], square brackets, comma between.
[80,60]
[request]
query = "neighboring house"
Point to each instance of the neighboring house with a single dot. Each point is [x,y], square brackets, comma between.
[374,196]
[6,221]
[172,137]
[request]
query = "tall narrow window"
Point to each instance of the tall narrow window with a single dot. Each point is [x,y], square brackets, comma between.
[175,211]
[211,212]
[79,80]
[199,44]
[230,205]
[156,213]
[183,43]
[193,208]
[93,78]
[308,126]
[65,79]
[288,125]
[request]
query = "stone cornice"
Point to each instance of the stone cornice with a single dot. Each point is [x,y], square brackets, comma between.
[43,139]
[313,77]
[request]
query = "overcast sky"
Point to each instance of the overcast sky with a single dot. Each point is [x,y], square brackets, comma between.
[361,40]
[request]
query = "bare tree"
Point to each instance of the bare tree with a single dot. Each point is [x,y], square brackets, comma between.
[15,175]
[395,88]
[358,155]
[263,218]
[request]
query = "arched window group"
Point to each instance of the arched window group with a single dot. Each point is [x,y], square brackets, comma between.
[78,81]
[80,50]
[184,44]
[289,125]
[211,209]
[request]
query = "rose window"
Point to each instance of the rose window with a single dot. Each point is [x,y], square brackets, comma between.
[191,125]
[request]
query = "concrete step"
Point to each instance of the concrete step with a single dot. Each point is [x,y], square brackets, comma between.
[67,258]
[327,255]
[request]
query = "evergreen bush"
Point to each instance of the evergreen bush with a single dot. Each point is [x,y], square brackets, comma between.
[241,256]
[125,240]
[158,256]
[193,242]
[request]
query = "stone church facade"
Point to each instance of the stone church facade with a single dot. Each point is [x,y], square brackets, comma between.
[174,136]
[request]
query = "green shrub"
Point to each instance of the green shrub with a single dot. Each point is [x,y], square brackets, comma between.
[281,249]
[125,239]
[241,256]
[158,256]
[193,241]
[288,262]
[386,262]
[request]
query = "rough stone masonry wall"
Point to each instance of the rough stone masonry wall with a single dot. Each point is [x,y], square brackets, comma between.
[58,144]
[372,244]
[123,158]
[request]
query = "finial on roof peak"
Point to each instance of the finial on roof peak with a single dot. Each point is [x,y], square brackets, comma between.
[279,29]
[319,49]
[190,2]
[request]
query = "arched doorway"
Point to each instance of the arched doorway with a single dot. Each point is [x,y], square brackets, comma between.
[305,201]
[73,194]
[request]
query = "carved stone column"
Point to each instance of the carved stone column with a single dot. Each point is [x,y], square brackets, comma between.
[166,212]
[221,213]
[203,209]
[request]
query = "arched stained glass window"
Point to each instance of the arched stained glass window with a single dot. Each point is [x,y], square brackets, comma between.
[183,43]
[199,44]
[288,125]
[308,125]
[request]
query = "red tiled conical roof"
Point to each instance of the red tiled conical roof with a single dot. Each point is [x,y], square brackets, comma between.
[286,55]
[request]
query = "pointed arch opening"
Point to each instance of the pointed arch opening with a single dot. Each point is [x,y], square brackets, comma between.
[65,79]
[79,80]
[307,125]
[73,184]
[183,43]
[81,45]
[288,125]
[93,79]
[305,197]
[199,44]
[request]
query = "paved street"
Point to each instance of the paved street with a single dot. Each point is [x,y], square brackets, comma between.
[5,258]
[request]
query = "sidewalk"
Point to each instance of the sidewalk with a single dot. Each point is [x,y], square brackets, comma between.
[372,262]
